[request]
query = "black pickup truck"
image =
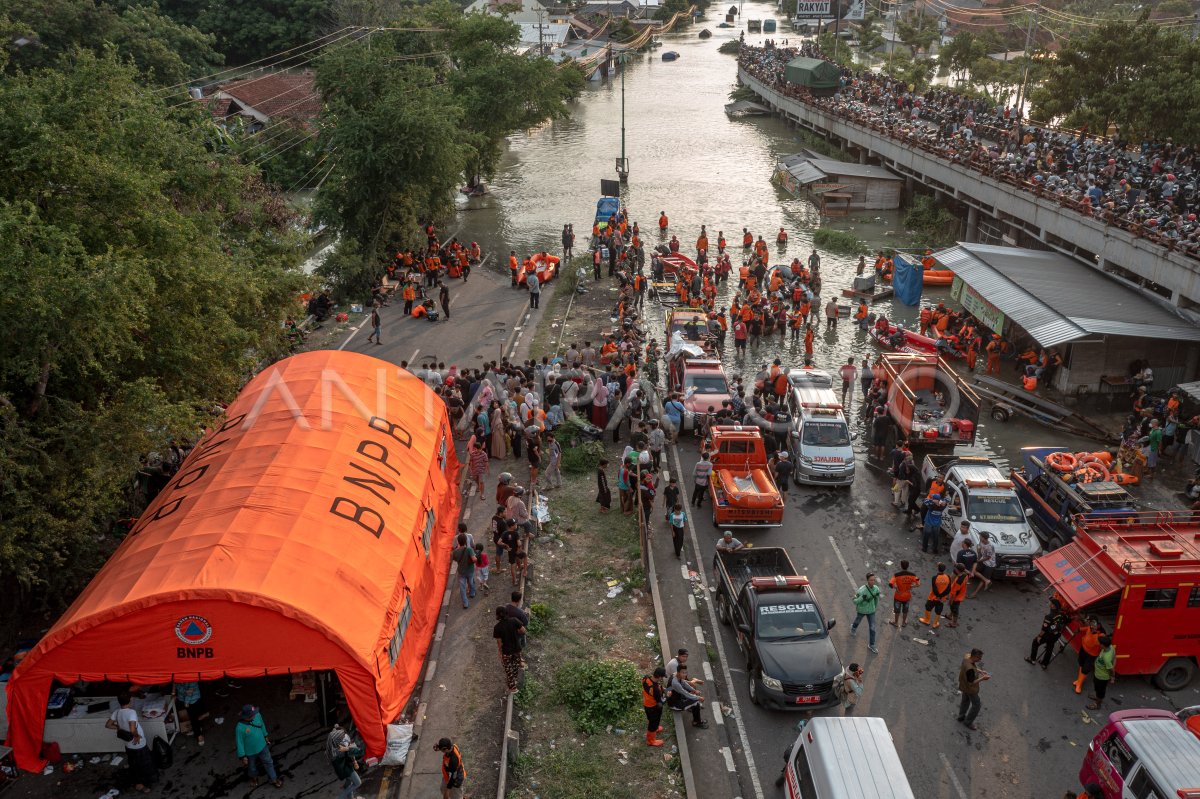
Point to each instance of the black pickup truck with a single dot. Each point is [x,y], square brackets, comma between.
[780,628]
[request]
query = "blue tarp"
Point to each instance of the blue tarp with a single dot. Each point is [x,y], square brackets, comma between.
[908,280]
[606,207]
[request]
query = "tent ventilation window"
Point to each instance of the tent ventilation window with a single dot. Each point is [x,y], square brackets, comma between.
[442,453]
[427,536]
[401,628]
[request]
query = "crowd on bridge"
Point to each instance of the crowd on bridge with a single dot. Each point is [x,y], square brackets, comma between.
[1149,188]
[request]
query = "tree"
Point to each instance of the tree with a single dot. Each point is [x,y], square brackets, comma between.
[397,134]
[1140,77]
[499,91]
[908,70]
[148,274]
[248,30]
[917,37]
[165,51]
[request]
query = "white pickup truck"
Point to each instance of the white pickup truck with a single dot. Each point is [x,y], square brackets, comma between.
[978,492]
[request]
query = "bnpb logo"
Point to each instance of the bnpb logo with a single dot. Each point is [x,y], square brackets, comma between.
[194,631]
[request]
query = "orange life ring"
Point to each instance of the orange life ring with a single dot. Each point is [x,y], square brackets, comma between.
[1103,456]
[1092,472]
[1062,461]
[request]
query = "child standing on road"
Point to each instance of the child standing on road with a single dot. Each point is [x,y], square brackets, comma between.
[481,566]
[677,518]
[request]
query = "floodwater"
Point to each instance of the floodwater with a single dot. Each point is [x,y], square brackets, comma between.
[689,159]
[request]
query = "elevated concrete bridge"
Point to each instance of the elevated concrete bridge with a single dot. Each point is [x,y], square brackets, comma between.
[1000,212]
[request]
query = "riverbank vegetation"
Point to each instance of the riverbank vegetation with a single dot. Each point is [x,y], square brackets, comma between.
[929,224]
[842,242]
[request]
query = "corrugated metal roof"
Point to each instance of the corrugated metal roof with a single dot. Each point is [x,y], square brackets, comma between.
[806,173]
[1057,299]
[831,167]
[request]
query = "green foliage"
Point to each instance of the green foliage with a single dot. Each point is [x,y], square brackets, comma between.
[248,30]
[147,276]
[162,49]
[731,47]
[1142,78]
[578,771]
[541,616]
[578,455]
[918,36]
[931,224]
[407,113]
[911,71]
[597,693]
[839,241]
[528,692]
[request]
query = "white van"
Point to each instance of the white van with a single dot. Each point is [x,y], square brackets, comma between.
[820,438]
[844,758]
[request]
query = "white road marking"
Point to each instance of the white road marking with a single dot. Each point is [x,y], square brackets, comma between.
[412,359]
[683,569]
[728,759]
[849,575]
[953,777]
[706,667]
[441,629]
[692,602]
[466,515]
[720,647]
[699,634]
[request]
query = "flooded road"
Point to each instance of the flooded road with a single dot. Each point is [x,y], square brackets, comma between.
[689,159]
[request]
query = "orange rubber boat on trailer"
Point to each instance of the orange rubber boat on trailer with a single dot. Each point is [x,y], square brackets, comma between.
[742,490]
[544,264]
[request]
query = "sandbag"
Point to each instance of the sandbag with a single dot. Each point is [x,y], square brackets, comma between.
[399,738]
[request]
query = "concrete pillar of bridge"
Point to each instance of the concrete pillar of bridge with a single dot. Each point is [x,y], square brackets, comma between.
[842,145]
[972,232]
[909,184]
[862,155]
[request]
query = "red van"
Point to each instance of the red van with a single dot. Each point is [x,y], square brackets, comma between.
[1144,753]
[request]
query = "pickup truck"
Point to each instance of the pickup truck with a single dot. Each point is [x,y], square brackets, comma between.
[977,492]
[1056,503]
[780,628]
[741,487]
[934,408]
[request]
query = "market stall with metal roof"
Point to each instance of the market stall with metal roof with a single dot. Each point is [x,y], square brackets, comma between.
[1047,299]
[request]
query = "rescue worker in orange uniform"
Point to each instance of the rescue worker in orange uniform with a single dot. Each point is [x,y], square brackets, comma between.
[796,323]
[662,222]
[860,316]
[939,592]
[958,592]
[1089,649]
[747,238]
[781,238]
[808,341]
[928,261]
[410,296]
[454,772]
[926,320]
[653,699]
[702,242]
[903,582]
[514,266]
[994,348]
[720,242]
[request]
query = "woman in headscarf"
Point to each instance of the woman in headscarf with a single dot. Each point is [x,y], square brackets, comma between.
[600,402]
[497,427]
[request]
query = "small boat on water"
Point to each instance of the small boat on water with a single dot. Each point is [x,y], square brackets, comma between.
[932,277]
[705,34]
[725,24]
[676,262]
[670,55]
[913,342]
[768,26]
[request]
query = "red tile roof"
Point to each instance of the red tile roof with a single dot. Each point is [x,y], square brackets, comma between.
[278,95]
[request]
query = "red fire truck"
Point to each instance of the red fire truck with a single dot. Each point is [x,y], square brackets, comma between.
[1139,575]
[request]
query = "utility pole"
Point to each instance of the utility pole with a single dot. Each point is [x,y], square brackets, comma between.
[1021,91]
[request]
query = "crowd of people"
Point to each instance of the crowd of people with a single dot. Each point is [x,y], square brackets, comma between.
[1149,188]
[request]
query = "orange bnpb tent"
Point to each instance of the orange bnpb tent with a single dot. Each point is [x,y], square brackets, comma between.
[311,530]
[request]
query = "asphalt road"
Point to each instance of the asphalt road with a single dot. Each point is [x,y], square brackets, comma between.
[1033,729]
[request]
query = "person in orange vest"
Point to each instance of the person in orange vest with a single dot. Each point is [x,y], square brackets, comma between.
[776,282]
[796,323]
[938,593]
[747,238]
[972,353]
[662,222]
[1029,380]
[702,240]
[958,592]
[637,241]
[639,288]
[1089,649]
[902,582]
[514,266]
[928,260]
[720,242]
[781,238]
[993,350]
[476,253]
[926,319]
[653,699]
[760,249]
[861,315]
[454,772]
[808,341]
[673,244]
[743,275]
[410,296]
[889,266]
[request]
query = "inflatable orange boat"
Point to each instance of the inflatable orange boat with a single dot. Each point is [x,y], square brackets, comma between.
[544,264]
[932,277]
